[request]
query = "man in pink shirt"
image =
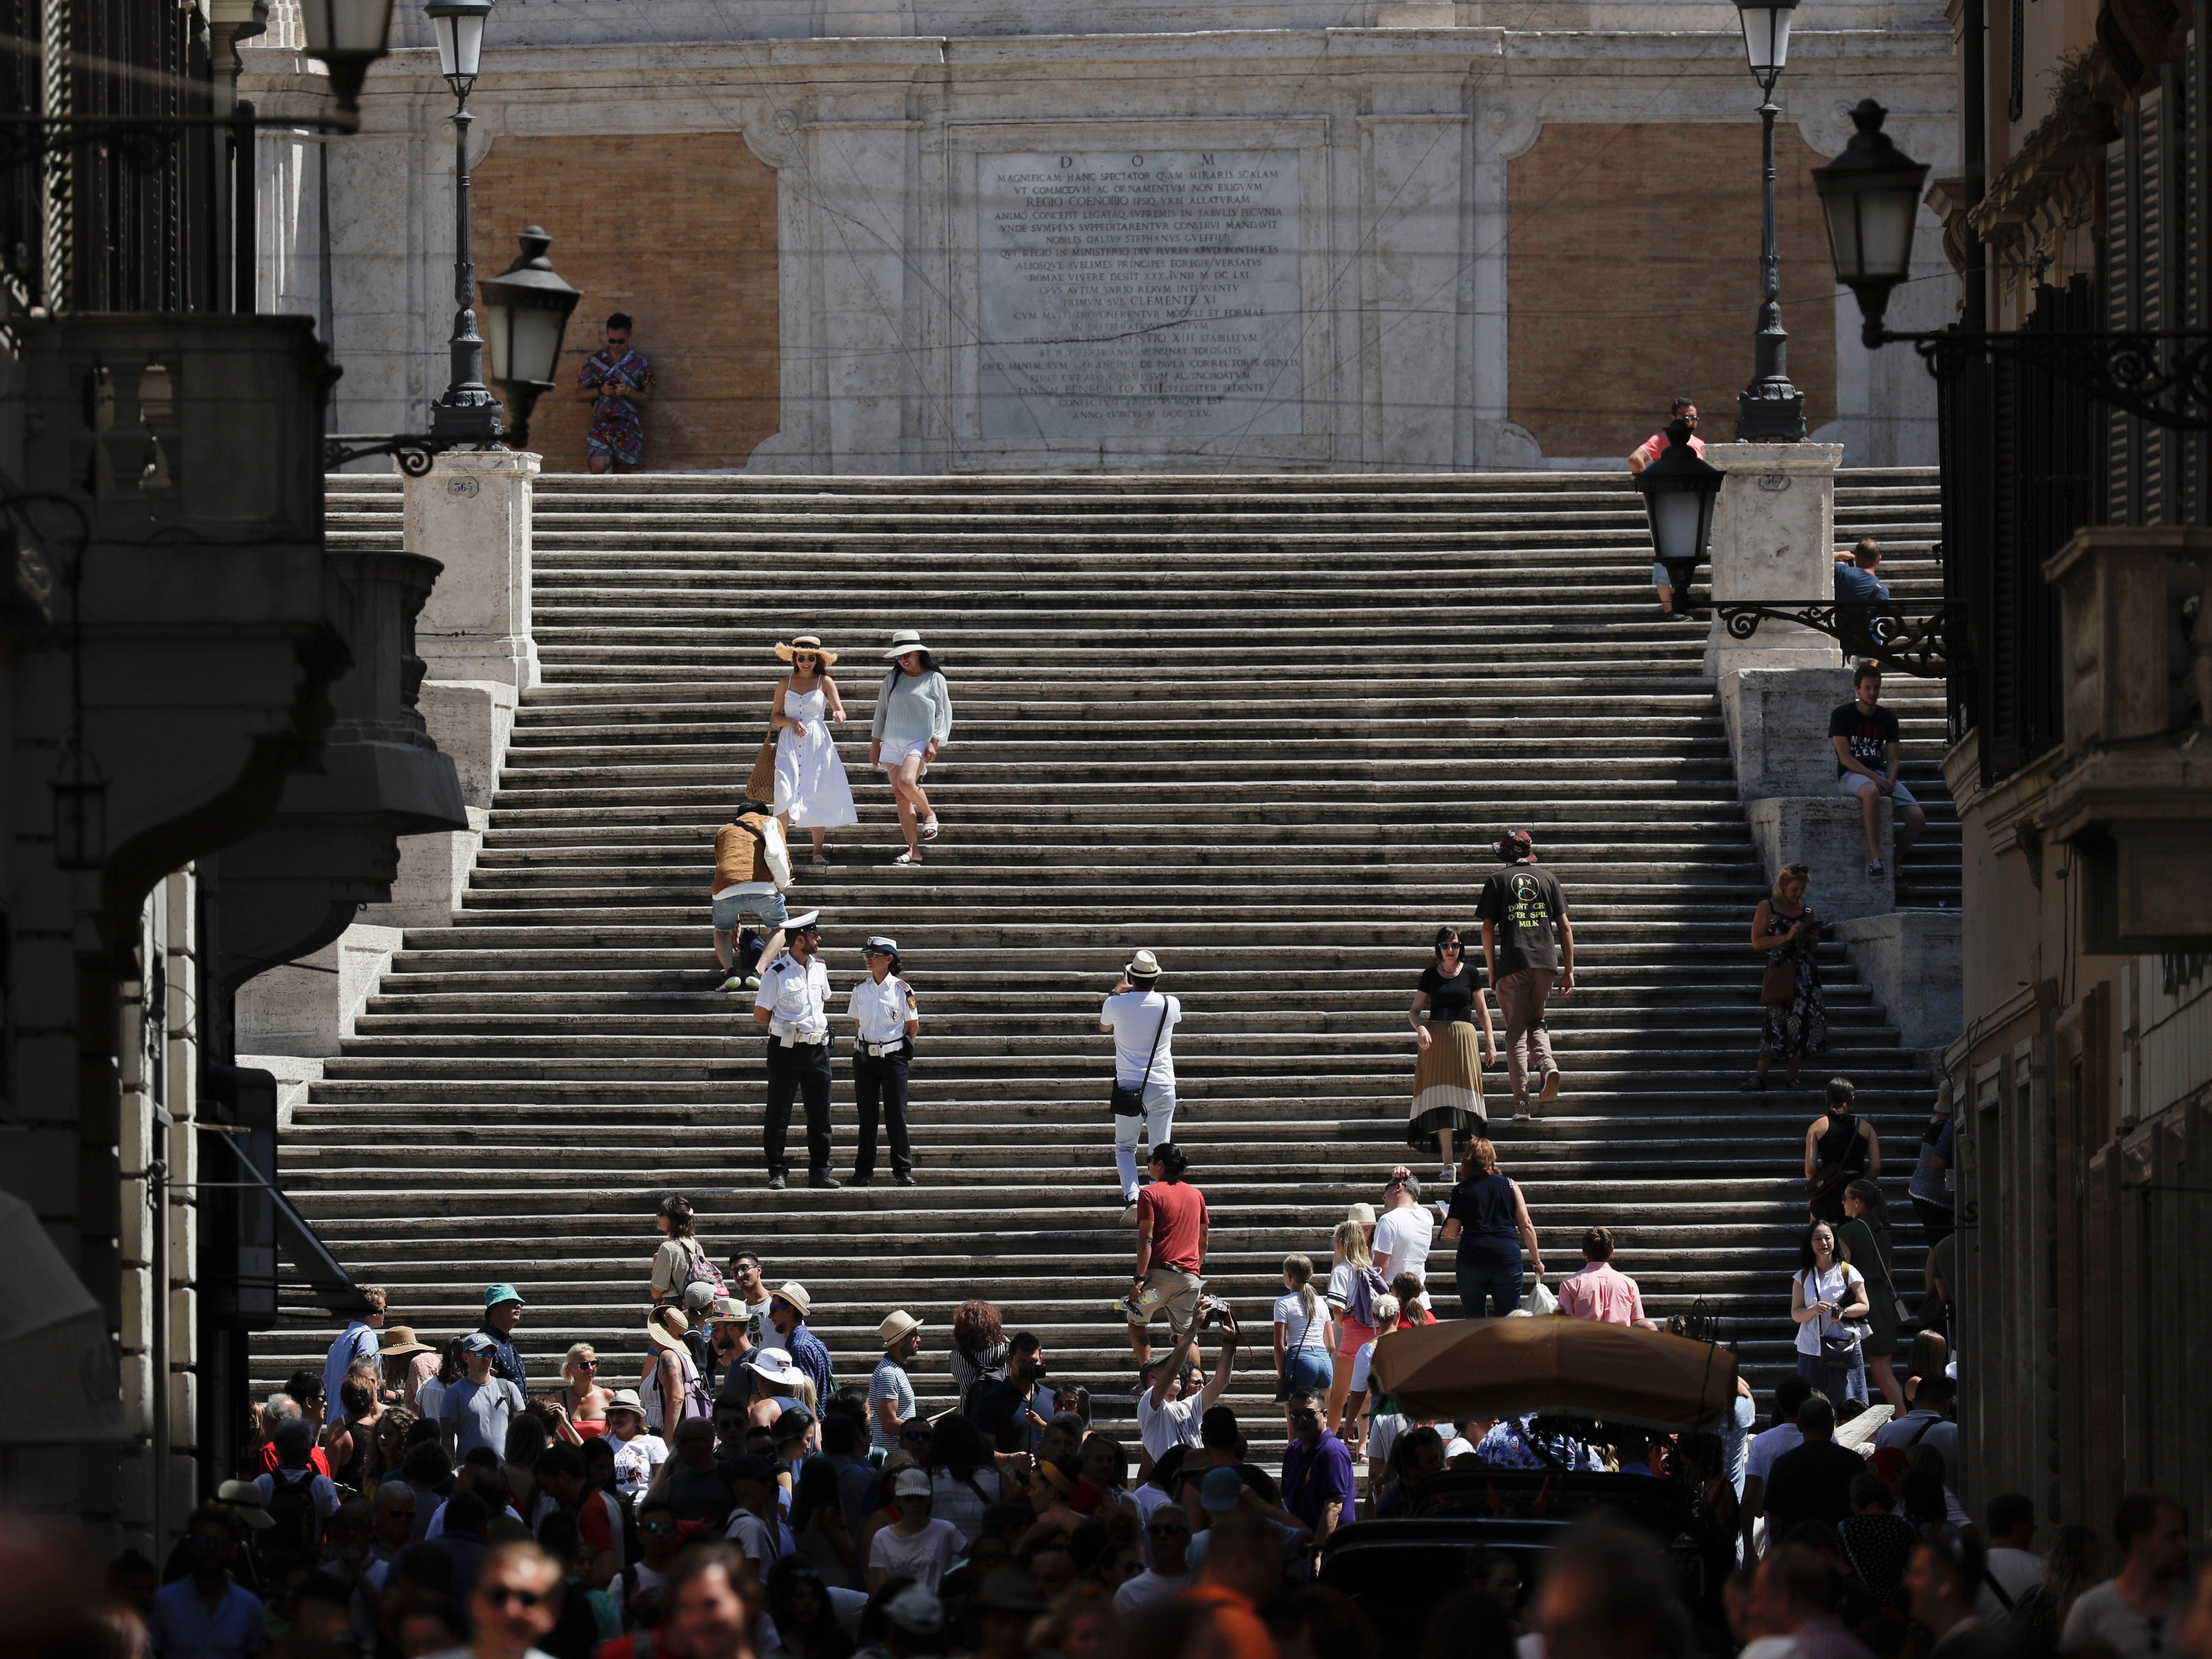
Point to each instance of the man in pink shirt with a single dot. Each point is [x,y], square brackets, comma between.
[1641,456]
[1600,1290]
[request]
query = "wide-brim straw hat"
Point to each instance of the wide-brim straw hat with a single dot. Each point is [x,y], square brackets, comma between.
[400,1341]
[668,1330]
[904,641]
[804,642]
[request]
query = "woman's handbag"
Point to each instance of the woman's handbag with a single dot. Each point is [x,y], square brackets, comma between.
[1130,1103]
[761,786]
[1778,986]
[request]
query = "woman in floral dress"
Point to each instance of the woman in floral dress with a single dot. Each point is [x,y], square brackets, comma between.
[1787,933]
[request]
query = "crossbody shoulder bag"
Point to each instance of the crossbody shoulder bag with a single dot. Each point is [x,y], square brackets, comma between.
[1130,1103]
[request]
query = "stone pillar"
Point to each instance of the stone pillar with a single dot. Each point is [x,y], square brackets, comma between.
[471,512]
[1778,728]
[1915,962]
[1774,534]
[1826,833]
[862,177]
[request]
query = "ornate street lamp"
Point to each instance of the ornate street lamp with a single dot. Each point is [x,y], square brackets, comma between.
[526,309]
[1870,195]
[347,36]
[468,413]
[1770,409]
[1679,490]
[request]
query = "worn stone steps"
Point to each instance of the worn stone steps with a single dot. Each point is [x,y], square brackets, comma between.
[1267,725]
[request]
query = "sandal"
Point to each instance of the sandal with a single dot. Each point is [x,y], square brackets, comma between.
[910,856]
[817,862]
[929,830]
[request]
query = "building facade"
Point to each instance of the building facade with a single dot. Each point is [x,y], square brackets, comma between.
[937,235]
[2080,554]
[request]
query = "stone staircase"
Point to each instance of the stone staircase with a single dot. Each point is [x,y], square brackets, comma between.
[1266,727]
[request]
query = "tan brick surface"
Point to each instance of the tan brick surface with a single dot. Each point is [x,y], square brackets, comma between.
[1632,279]
[679,231]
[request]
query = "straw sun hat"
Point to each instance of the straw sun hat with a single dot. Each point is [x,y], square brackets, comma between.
[805,642]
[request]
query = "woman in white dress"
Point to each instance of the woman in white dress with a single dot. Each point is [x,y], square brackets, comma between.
[811,790]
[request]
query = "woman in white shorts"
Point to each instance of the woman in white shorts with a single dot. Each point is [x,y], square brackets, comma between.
[914,718]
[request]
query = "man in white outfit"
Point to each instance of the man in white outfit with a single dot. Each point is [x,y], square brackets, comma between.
[1140,1015]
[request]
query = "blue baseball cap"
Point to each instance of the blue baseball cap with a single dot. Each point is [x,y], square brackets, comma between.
[1220,1490]
[499,1293]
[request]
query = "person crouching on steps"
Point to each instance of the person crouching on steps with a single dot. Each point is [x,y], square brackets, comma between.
[751,869]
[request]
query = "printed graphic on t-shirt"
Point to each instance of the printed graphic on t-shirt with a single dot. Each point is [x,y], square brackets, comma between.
[1526,910]
[1866,734]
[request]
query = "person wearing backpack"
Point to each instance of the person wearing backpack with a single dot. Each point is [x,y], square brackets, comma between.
[670,1387]
[477,1410]
[681,1261]
[298,1499]
[1354,1287]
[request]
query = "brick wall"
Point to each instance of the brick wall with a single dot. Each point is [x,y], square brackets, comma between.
[679,231]
[1632,278]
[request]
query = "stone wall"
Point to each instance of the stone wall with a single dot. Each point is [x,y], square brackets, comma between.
[1633,262]
[679,231]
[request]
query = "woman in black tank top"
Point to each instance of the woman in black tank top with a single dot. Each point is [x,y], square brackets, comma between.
[1840,1146]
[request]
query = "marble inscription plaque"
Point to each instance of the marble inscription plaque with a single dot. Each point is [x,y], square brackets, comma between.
[1137,294]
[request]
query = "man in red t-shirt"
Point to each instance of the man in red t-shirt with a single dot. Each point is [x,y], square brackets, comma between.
[1172,1234]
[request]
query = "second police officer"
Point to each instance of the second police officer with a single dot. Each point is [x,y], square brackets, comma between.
[883,1007]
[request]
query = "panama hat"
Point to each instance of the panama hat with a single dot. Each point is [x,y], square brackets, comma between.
[904,641]
[794,1293]
[897,1325]
[805,642]
[1143,965]
[625,1400]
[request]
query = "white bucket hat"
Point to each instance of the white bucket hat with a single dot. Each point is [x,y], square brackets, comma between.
[775,1364]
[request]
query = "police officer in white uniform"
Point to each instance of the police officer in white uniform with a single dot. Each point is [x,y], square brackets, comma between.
[884,1007]
[794,1005]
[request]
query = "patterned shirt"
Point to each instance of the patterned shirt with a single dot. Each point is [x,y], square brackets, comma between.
[617,426]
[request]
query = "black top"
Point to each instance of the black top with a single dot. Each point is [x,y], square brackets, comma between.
[1842,1144]
[1484,1208]
[1522,901]
[1867,734]
[1811,1482]
[1451,999]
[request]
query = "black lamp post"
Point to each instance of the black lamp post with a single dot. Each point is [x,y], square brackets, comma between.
[347,36]
[468,413]
[526,309]
[1770,409]
[1870,195]
[1679,490]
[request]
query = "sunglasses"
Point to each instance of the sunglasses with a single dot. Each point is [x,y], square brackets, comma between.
[586,1364]
[1451,944]
[1305,1416]
[500,1594]
[656,1526]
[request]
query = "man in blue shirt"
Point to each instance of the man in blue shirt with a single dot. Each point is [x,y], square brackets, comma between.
[502,1313]
[204,1615]
[787,1309]
[1856,579]
[355,1343]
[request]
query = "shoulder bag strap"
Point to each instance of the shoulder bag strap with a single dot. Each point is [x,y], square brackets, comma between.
[1158,1031]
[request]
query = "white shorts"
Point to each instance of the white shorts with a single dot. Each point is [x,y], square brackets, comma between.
[1856,783]
[894,752]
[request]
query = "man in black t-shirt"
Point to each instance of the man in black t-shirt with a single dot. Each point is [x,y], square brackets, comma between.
[1863,734]
[1528,943]
[1813,1481]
